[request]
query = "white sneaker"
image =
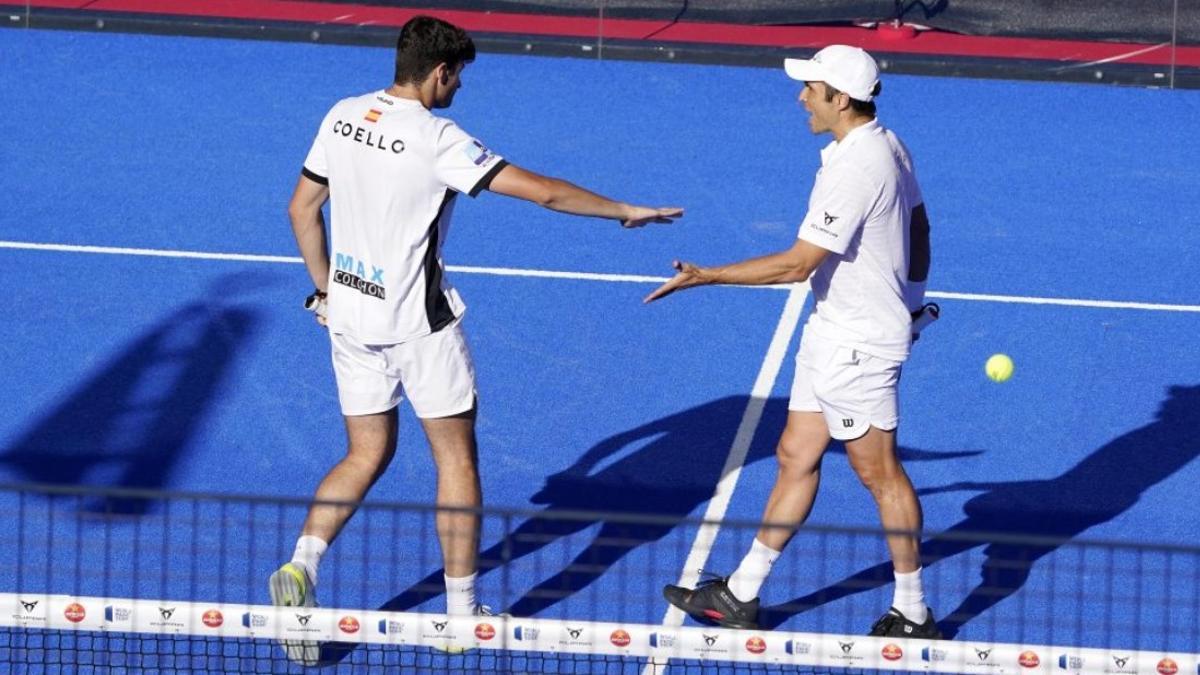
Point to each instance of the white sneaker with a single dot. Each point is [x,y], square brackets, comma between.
[292,587]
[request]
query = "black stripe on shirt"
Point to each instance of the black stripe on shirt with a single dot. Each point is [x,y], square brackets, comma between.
[918,245]
[314,177]
[486,181]
[437,305]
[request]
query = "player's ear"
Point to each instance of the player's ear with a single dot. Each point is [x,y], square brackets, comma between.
[443,72]
[437,74]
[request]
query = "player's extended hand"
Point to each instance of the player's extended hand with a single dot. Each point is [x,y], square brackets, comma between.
[640,215]
[687,275]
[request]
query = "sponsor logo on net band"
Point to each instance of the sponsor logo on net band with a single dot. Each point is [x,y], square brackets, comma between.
[30,611]
[213,618]
[845,650]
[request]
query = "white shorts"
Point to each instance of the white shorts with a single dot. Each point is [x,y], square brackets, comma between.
[435,371]
[854,390]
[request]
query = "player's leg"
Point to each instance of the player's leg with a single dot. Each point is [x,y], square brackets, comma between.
[797,479]
[369,391]
[440,381]
[861,394]
[873,458]
[372,445]
[733,602]
[858,396]
[452,440]
[368,394]
[371,448]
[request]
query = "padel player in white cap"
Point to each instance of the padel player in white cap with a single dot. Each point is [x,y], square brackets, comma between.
[864,248]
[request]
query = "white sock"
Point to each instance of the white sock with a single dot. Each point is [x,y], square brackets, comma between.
[910,596]
[460,595]
[748,578]
[309,550]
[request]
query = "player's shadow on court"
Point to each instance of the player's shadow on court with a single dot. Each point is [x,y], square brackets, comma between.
[1048,512]
[667,468]
[127,425]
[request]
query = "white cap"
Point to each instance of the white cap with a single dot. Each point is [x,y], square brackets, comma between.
[844,68]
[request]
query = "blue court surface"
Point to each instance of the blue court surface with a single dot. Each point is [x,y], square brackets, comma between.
[1064,234]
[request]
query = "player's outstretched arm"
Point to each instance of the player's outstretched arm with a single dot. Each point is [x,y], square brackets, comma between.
[559,195]
[792,265]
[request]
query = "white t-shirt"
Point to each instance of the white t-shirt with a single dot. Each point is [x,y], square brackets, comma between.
[866,209]
[393,170]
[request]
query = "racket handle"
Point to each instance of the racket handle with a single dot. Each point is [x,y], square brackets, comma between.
[925,316]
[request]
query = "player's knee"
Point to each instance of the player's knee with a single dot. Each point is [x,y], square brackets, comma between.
[881,479]
[872,479]
[369,456]
[456,460]
[796,457]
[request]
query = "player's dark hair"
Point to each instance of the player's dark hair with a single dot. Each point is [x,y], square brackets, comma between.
[425,42]
[860,107]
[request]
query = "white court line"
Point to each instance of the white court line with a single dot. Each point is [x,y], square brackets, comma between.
[1118,57]
[297,260]
[719,503]
[152,252]
[1104,304]
[587,276]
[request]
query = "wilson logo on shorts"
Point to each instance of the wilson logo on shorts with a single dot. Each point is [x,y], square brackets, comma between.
[847,422]
[373,115]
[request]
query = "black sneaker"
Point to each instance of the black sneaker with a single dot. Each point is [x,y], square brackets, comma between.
[711,602]
[895,624]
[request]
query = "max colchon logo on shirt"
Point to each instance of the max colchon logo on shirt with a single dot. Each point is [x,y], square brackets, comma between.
[353,273]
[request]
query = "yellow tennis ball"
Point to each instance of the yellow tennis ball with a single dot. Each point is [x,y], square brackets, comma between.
[999,367]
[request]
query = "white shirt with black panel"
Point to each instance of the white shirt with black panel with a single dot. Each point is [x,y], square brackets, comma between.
[394,170]
[866,209]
